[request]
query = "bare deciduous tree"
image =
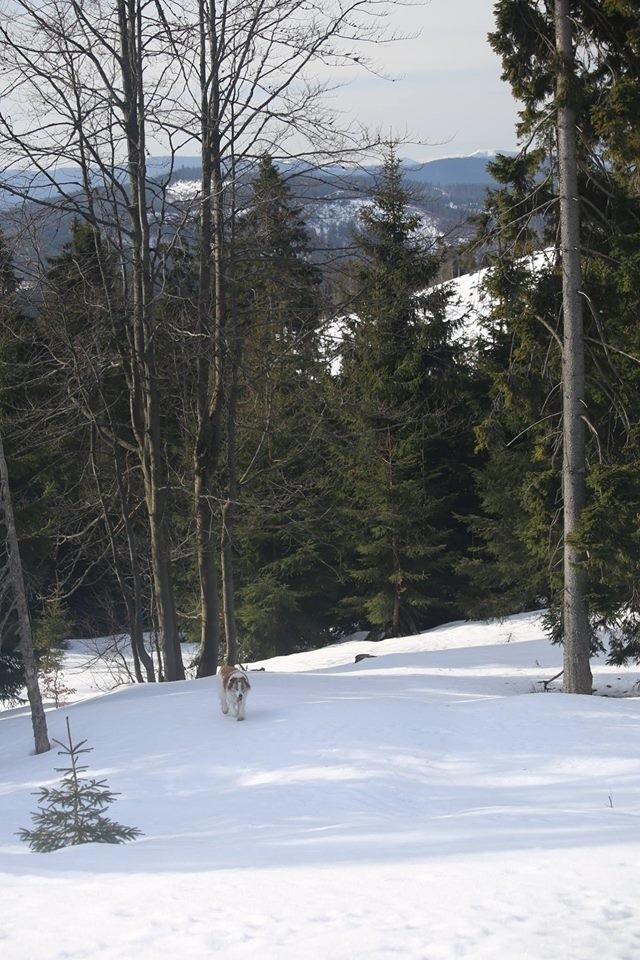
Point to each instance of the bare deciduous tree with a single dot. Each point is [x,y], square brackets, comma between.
[259,90]
[81,71]
[98,87]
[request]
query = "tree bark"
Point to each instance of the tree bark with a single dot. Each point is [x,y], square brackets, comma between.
[577,669]
[38,719]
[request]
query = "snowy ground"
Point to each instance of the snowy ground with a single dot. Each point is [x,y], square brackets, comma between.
[423,805]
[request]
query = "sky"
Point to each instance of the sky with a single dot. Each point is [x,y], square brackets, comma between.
[437,87]
[446,90]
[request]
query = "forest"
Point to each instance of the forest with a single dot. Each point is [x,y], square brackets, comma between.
[211,430]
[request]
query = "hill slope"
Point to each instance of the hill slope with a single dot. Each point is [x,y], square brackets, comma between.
[422,804]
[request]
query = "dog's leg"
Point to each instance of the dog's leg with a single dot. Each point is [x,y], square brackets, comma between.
[222,694]
[240,707]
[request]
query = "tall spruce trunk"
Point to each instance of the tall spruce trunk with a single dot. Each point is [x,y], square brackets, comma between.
[38,719]
[577,670]
[145,412]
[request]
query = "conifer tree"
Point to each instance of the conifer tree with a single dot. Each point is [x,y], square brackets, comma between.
[403,383]
[573,67]
[288,580]
[74,812]
[50,634]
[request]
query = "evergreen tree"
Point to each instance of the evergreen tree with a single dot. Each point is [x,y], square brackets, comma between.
[527,358]
[74,812]
[514,565]
[50,634]
[288,572]
[404,385]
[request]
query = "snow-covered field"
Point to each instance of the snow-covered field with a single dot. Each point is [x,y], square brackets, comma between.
[428,804]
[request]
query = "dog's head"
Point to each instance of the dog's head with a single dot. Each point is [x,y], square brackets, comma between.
[238,685]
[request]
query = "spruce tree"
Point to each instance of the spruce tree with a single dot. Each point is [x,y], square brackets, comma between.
[74,812]
[85,368]
[288,568]
[591,75]
[50,634]
[403,384]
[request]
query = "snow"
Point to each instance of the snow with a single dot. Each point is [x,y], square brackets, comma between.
[426,803]
[470,306]
[342,213]
[468,310]
[183,191]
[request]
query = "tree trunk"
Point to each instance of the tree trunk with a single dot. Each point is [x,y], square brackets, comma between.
[207,571]
[211,317]
[144,400]
[132,597]
[38,719]
[207,440]
[577,669]
[229,509]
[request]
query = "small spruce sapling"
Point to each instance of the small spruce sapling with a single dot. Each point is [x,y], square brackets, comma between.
[73,813]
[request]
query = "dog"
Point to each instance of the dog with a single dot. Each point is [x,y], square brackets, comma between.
[233,687]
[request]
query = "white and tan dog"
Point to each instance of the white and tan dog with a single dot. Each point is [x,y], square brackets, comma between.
[233,687]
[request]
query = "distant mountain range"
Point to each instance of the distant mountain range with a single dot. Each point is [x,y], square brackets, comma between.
[445,170]
[447,192]
[453,170]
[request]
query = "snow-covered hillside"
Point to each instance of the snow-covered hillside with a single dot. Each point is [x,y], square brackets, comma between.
[424,804]
[340,216]
[470,306]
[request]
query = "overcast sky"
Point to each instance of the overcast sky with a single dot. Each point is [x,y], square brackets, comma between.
[447,89]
